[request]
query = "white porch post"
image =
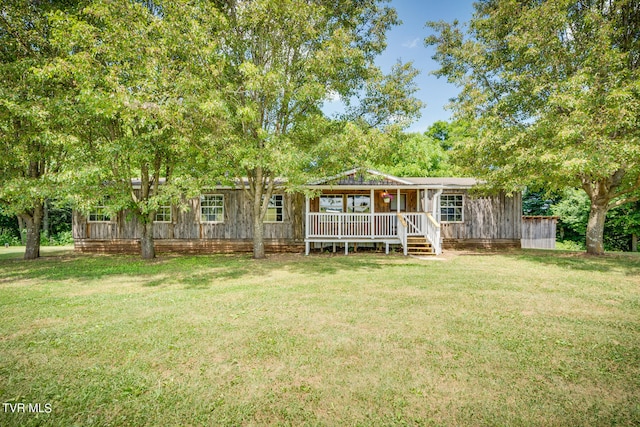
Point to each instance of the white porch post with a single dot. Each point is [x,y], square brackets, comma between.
[371,212]
[398,200]
[307,247]
[435,205]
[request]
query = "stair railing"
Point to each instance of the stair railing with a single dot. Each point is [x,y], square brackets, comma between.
[432,233]
[402,232]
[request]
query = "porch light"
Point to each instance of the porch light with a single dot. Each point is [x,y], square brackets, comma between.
[386,196]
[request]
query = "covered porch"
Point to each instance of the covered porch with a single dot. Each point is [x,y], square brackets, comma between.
[394,213]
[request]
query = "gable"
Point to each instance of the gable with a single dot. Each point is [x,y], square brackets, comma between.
[368,177]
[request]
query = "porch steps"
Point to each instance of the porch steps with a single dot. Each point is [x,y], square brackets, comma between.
[417,245]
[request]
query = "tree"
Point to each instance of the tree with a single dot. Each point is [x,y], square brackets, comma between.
[415,154]
[552,90]
[35,114]
[283,59]
[145,72]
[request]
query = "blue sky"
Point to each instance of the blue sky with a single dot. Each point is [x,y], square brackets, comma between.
[406,42]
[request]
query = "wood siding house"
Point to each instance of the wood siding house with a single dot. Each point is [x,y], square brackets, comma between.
[353,209]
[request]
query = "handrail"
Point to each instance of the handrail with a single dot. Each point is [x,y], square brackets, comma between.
[401,219]
[433,233]
[402,232]
[432,220]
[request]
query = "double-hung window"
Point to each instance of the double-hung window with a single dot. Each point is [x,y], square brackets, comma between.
[212,208]
[99,214]
[451,208]
[275,210]
[163,214]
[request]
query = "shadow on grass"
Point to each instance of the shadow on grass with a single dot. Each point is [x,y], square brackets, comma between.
[628,263]
[193,271]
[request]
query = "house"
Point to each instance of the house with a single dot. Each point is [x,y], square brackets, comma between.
[353,209]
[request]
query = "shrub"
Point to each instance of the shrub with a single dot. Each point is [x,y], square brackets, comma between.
[7,235]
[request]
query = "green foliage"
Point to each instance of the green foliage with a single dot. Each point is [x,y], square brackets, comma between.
[536,202]
[415,155]
[573,210]
[62,238]
[9,236]
[552,90]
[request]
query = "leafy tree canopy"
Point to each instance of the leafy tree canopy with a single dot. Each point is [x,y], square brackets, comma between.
[552,90]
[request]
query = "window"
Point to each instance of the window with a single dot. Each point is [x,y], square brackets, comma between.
[331,203]
[163,214]
[212,208]
[275,210]
[403,203]
[358,203]
[451,207]
[99,214]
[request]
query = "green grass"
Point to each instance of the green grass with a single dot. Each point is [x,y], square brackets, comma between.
[520,339]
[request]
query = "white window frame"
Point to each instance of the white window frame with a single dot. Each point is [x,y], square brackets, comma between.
[162,211]
[98,211]
[351,209]
[219,206]
[444,199]
[279,209]
[331,196]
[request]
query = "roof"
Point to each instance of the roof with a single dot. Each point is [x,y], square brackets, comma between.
[445,181]
[370,178]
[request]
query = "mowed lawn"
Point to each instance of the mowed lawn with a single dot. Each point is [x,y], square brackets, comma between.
[520,338]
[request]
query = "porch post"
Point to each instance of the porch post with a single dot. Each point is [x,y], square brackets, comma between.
[372,231]
[398,199]
[306,225]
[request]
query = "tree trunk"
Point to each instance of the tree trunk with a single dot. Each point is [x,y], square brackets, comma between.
[634,243]
[21,230]
[45,219]
[147,247]
[595,228]
[258,230]
[33,223]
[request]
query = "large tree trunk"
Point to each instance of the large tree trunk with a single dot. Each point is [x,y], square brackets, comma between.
[634,243]
[595,228]
[147,247]
[258,228]
[33,223]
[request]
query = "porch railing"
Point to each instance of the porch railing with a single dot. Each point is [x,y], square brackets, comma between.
[351,225]
[374,226]
[432,233]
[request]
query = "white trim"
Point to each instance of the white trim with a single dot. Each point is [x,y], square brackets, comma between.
[200,201]
[456,207]
[170,215]
[281,207]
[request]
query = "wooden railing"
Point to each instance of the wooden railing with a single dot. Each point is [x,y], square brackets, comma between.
[402,232]
[399,225]
[351,225]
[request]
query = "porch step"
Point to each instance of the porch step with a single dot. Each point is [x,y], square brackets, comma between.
[419,246]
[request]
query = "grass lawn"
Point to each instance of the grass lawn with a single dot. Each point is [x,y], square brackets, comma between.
[521,338]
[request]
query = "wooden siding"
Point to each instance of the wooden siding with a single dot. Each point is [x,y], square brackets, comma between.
[539,232]
[186,225]
[486,218]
